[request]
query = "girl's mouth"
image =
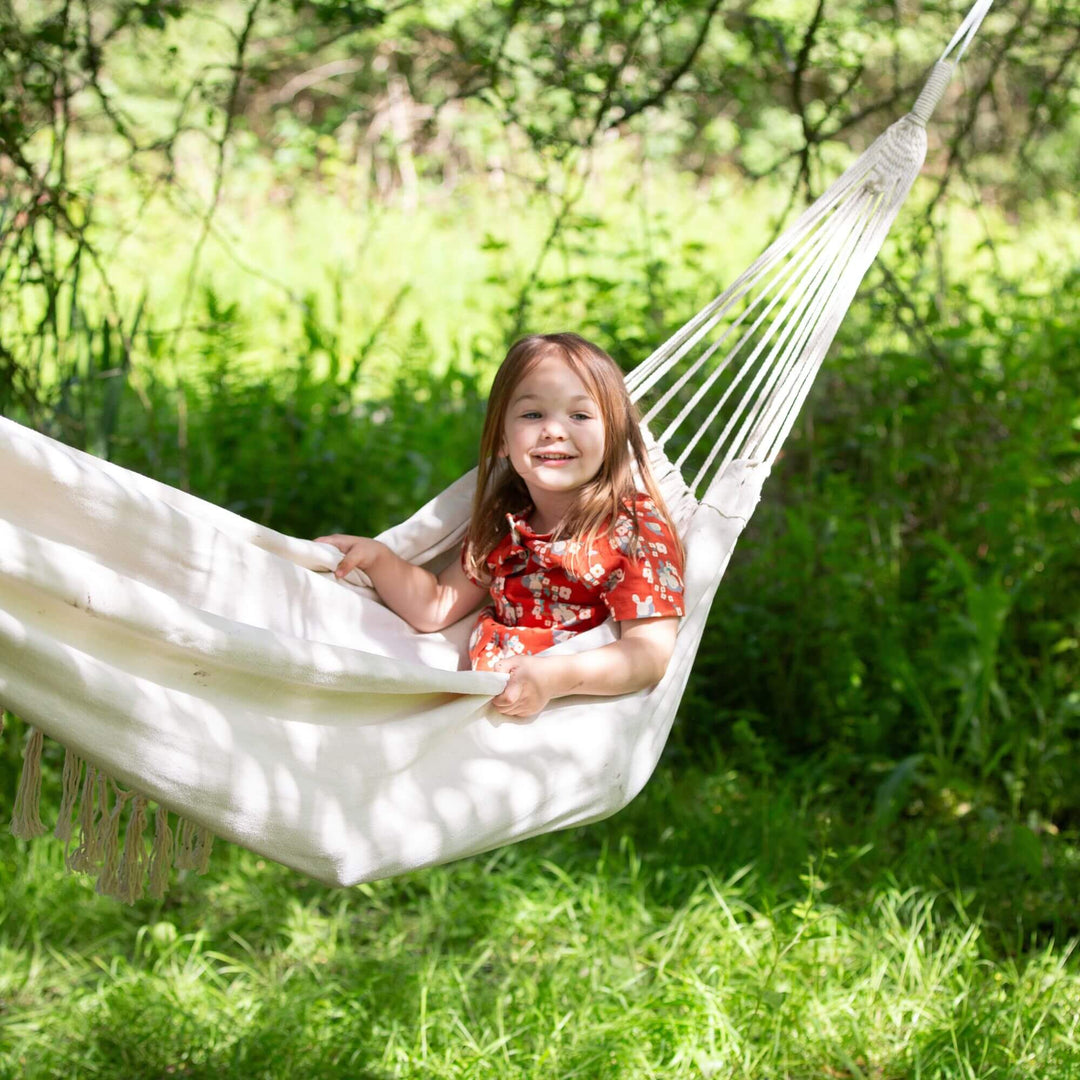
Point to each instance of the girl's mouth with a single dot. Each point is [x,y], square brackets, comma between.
[553,459]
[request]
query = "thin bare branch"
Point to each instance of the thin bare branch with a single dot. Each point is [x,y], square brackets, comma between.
[222,148]
[628,109]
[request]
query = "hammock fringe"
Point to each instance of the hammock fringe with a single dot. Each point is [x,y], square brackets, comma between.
[193,847]
[25,816]
[88,848]
[161,854]
[130,878]
[70,792]
[92,806]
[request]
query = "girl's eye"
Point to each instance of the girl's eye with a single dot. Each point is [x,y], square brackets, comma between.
[530,416]
[580,416]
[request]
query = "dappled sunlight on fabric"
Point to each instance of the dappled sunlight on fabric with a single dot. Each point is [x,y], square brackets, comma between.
[293,713]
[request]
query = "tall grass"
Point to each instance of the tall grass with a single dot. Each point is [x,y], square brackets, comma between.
[712,930]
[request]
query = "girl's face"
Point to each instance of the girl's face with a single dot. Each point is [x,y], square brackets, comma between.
[553,434]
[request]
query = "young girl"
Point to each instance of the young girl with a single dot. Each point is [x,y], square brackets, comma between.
[560,537]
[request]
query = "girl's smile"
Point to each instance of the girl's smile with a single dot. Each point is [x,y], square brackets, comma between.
[553,459]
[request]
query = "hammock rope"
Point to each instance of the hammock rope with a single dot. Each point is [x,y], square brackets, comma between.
[213,673]
[967,30]
[738,373]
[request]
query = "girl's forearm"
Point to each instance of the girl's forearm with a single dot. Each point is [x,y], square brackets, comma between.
[411,591]
[636,661]
[622,668]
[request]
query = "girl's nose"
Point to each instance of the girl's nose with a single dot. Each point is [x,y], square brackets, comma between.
[552,429]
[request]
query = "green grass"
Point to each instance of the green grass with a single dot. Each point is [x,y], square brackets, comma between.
[713,929]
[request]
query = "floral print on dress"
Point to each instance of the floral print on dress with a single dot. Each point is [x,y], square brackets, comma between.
[538,601]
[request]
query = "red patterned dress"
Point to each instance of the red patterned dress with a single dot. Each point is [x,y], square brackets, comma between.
[538,602]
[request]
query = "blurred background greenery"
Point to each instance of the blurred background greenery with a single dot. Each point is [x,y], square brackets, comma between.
[272,252]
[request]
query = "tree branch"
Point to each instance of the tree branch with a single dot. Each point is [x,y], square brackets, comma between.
[629,110]
[219,169]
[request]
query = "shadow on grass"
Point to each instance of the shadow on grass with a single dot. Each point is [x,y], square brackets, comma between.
[1015,879]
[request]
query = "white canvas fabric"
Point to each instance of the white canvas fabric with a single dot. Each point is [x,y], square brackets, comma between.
[218,668]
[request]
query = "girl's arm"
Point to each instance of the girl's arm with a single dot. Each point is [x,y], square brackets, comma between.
[637,660]
[426,602]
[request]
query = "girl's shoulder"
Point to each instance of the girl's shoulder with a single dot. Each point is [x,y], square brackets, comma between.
[643,501]
[639,525]
[646,563]
[642,508]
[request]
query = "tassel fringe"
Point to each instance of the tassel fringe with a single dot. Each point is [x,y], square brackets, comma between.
[70,792]
[185,846]
[107,884]
[92,810]
[88,851]
[162,855]
[25,816]
[133,862]
[204,845]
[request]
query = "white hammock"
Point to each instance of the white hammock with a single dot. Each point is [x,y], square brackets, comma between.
[193,657]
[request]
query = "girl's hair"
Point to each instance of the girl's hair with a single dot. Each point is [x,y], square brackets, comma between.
[499,489]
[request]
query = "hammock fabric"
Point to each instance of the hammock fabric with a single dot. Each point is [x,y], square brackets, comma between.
[184,655]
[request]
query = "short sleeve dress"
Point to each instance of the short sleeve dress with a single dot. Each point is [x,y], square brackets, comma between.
[537,601]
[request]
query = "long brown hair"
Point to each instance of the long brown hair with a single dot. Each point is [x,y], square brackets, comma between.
[499,489]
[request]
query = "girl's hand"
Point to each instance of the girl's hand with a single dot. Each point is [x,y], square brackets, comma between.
[359,551]
[528,690]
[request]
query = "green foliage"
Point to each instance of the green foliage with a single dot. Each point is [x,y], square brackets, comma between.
[303,453]
[910,585]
